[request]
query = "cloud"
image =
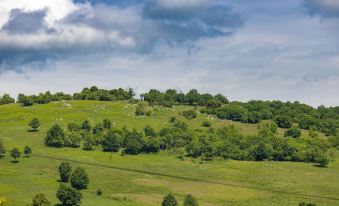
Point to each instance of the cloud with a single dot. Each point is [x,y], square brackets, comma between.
[325,8]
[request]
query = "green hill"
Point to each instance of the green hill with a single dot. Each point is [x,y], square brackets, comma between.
[145,178]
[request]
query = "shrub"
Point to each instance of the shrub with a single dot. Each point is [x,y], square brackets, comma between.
[27,151]
[293,132]
[169,200]
[140,110]
[86,126]
[190,201]
[40,200]
[189,114]
[322,160]
[65,170]
[206,124]
[55,136]
[283,121]
[68,196]
[79,178]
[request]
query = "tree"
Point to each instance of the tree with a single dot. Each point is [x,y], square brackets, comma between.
[65,170]
[169,200]
[283,121]
[35,124]
[2,148]
[86,126]
[140,110]
[55,136]
[40,200]
[262,151]
[232,112]
[112,142]
[133,143]
[15,153]
[149,131]
[79,178]
[27,151]
[68,196]
[190,201]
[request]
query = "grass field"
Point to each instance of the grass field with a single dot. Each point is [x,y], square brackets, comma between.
[144,179]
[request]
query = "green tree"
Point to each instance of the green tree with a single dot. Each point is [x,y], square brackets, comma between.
[40,200]
[79,178]
[15,153]
[149,131]
[283,121]
[86,126]
[27,151]
[169,200]
[112,142]
[133,143]
[65,170]
[2,148]
[140,110]
[55,136]
[190,200]
[322,160]
[35,124]
[68,196]
[293,132]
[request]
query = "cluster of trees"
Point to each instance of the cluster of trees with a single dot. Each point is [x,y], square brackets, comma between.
[170,200]
[172,96]
[94,93]
[6,99]
[15,153]
[227,143]
[42,98]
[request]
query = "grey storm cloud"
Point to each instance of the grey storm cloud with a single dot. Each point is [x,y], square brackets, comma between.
[325,8]
[21,22]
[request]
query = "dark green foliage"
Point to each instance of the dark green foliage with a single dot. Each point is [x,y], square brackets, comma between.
[112,142]
[68,196]
[133,142]
[15,153]
[206,124]
[232,112]
[73,127]
[94,93]
[79,178]
[149,131]
[40,200]
[25,101]
[169,200]
[253,117]
[6,99]
[35,124]
[140,110]
[86,126]
[2,148]
[107,124]
[151,145]
[283,121]
[194,149]
[322,160]
[72,139]
[262,151]
[55,136]
[65,170]
[190,200]
[189,114]
[27,151]
[293,132]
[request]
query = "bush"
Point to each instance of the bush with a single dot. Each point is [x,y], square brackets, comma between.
[112,142]
[99,191]
[190,201]
[55,136]
[65,170]
[283,122]
[169,200]
[189,114]
[322,160]
[140,110]
[293,132]
[206,124]
[68,196]
[232,112]
[40,200]
[79,178]
[133,143]
[27,151]
[86,126]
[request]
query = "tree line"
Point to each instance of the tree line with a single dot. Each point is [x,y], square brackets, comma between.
[206,144]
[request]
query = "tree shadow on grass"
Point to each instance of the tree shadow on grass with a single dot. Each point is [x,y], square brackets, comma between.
[14,161]
[32,130]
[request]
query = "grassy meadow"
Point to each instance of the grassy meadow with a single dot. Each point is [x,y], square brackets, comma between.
[144,179]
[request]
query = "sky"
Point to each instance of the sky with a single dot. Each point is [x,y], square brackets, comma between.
[283,49]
